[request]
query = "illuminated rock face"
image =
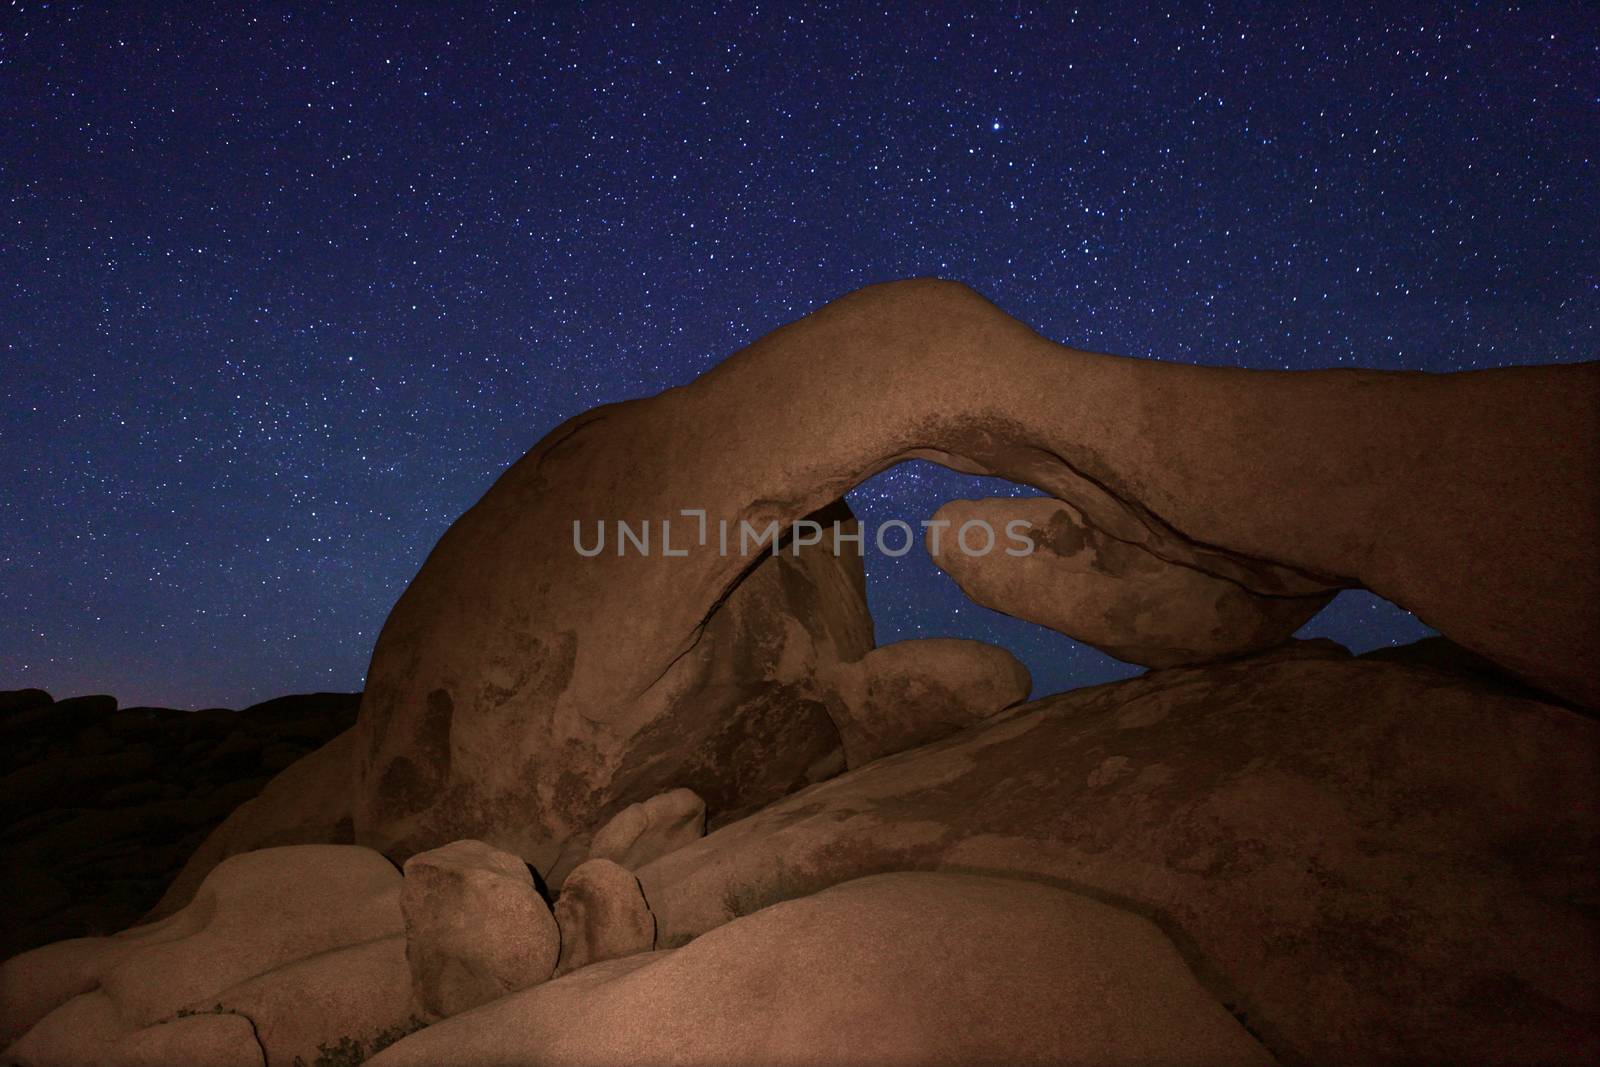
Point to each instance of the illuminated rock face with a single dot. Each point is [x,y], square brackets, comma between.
[476,927]
[523,693]
[1376,863]
[908,968]
[282,950]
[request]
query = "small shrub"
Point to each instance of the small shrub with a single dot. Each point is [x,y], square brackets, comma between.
[349,1052]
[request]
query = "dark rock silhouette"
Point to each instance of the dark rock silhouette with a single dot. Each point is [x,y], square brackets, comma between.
[104,805]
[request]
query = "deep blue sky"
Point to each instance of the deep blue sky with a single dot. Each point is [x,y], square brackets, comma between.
[281,292]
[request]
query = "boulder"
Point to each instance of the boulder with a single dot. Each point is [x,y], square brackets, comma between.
[77,1001]
[910,968]
[602,915]
[651,828]
[912,692]
[1375,863]
[476,928]
[1119,597]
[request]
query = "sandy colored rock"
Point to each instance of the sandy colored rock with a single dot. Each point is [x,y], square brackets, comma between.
[523,693]
[254,913]
[476,928]
[1121,598]
[650,829]
[34,983]
[909,693]
[208,1039]
[81,1031]
[355,992]
[1374,863]
[602,915]
[908,968]
[741,717]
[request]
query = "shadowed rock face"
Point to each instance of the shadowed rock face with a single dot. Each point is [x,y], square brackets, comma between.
[522,694]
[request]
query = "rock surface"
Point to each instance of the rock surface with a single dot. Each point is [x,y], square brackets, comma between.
[896,969]
[103,806]
[528,704]
[913,692]
[650,829]
[602,915]
[476,928]
[286,912]
[1375,863]
[1121,598]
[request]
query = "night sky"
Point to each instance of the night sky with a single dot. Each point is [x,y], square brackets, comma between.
[282,292]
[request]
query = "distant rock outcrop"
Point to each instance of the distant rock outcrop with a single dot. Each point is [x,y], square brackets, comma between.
[103,806]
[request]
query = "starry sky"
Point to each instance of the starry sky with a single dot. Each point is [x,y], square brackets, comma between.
[283,289]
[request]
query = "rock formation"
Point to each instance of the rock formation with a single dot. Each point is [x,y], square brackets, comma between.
[1119,597]
[913,692]
[526,704]
[1261,849]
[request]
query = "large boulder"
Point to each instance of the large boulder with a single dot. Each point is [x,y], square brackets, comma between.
[896,969]
[602,915]
[1057,569]
[909,693]
[79,1002]
[476,927]
[523,691]
[1375,863]
[651,828]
